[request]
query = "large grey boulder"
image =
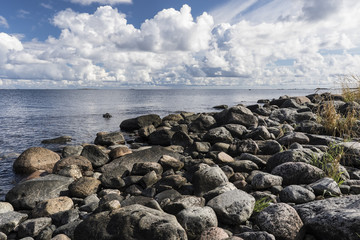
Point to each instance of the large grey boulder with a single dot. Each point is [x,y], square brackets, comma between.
[95,155]
[233,207]
[282,221]
[292,155]
[197,219]
[265,180]
[208,178]
[296,194]
[260,235]
[202,123]
[139,122]
[283,115]
[134,222]
[237,115]
[326,186]
[32,227]
[294,137]
[10,220]
[236,130]
[107,139]
[219,134]
[332,218]
[298,173]
[26,194]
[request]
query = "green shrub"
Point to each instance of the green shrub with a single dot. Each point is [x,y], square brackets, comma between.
[261,204]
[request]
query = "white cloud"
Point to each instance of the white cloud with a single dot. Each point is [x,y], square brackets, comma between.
[103,2]
[102,49]
[3,22]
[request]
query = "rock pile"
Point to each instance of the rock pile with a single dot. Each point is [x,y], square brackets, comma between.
[192,176]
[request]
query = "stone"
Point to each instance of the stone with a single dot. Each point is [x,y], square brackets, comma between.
[82,162]
[208,178]
[107,139]
[10,220]
[168,162]
[3,236]
[180,203]
[107,115]
[68,229]
[145,131]
[244,146]
[296,194]
[225,187]
[61,237]
[33,227]
[259,235]
[352,156]
[182,139]
[237,115]
[213,233]
[259,133]
[202,123]
[52,206]
[282,221]
[264,180]
[143,168]
[223,158]
[269,147]
[131,222]
[293,137]
[71,151]
[298,173]
[161,137]
[243,166]
[95,155]
[233,207]
[58,140]
[293,155]
[6,207]
[247,156]
[236,130]
[72,171]
[197,219]
[283,115]
[26,194]
[174,181]
[35,158]
[219,134]
[326,186]
[84,187]
[332,218]
[65,217]
[113,178]
[202,147]
[139,122]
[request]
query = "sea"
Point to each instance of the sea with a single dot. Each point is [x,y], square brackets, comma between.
[29,116]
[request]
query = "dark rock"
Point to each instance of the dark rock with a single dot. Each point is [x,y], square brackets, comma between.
[107,139]
[112,178]
[26,194]
[219,134]
[168,162]
[202,123]
[131,222]
[32,227]
[95,155]
[259,133]
[352,156]
[260,235]
[107,115]
[296,194]
[326,186]
[65,217]
[238,115]
[269,147]
[143,168]
[68,229]
[71,151]
[141,121]
[161,137]
[58,140]
[290,103]
[233,207]
[225,187]
[174,181]
[298,173]
[293,137]
[221,107]
[10,220]
[283,115]
[236,130]
[182,139]
[202,147]
[247,156]
[296,155]
[311,127]
[243,146]
[243,166]
[282,221]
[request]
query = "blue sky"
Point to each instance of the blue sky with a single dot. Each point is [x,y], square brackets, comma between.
[130,43]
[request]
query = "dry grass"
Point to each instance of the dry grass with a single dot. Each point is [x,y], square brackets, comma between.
[350,88]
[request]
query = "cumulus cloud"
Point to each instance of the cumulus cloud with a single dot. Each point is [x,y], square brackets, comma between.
[3,22]
[286,46]
[103,2]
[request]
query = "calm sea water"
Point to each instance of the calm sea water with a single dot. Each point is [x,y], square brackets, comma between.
[29,116]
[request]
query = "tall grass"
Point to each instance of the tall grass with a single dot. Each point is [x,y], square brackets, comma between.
[350,88]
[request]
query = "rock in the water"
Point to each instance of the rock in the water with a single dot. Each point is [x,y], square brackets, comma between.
[208,178]
[296,194]
[52,206]
[298,173]
[107,115]
[107,139]
[32,227]
[265,180]
[282,221]
[84,187]
[233,207]
[26,194]
[326,186]
[95,155]
[134,222]
[35,158]
[333,218]
[58,140]
[10,220]
[141,121]
[197,219]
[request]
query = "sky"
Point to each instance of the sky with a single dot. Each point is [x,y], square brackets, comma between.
[177,43]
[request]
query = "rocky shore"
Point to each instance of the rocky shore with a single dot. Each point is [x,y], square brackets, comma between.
[244,172]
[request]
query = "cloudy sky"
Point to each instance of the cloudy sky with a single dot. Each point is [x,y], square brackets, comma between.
[175,43]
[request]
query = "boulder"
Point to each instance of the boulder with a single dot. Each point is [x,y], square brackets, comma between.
[182,139]
[71,151]
[237,115]
[6,207]
[119,152]
[107,139]
[26,195]
[292,155]
[130,222]
[139,122]
[243,166]
[197,219]
[32,227]
[332,218]
[296,194]
[352,156]
[326,186]
[52,206]
[265,180]
[283,115]
[82,162]
[298,173]
[161,137]
[95,155]
[259,133]
[167,162]
[35,158]
[214,233]
[260,235]
[269,147]
[202,123]
[145,131]
[282,221]
[293,137]
[84,187]
[236,130]
[233,207]
[11,220]
[174,206]
[219,134]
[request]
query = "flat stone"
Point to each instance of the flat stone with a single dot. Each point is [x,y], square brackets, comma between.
[95,155]
[107,139]
[326,186]
[84,187]
[10,220]
[33,227]
[296,194]
[52,206]
[264,180]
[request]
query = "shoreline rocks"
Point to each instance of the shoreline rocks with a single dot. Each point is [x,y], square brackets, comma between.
[192,176]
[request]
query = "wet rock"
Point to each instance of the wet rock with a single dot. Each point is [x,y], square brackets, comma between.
[326,186]
[281,220]
[298,173]
[95,155]
[107,139]
[52,206]
[333,218]
[84,187]
[233,207]
[208,178]
[141,121]
[131,222]
[33,227]
[82,162]
[296,194]
[26,194]
[58,140]
[220,134]
[35,158]
[71,151]
[197,219]
[264,180]
[10,220]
